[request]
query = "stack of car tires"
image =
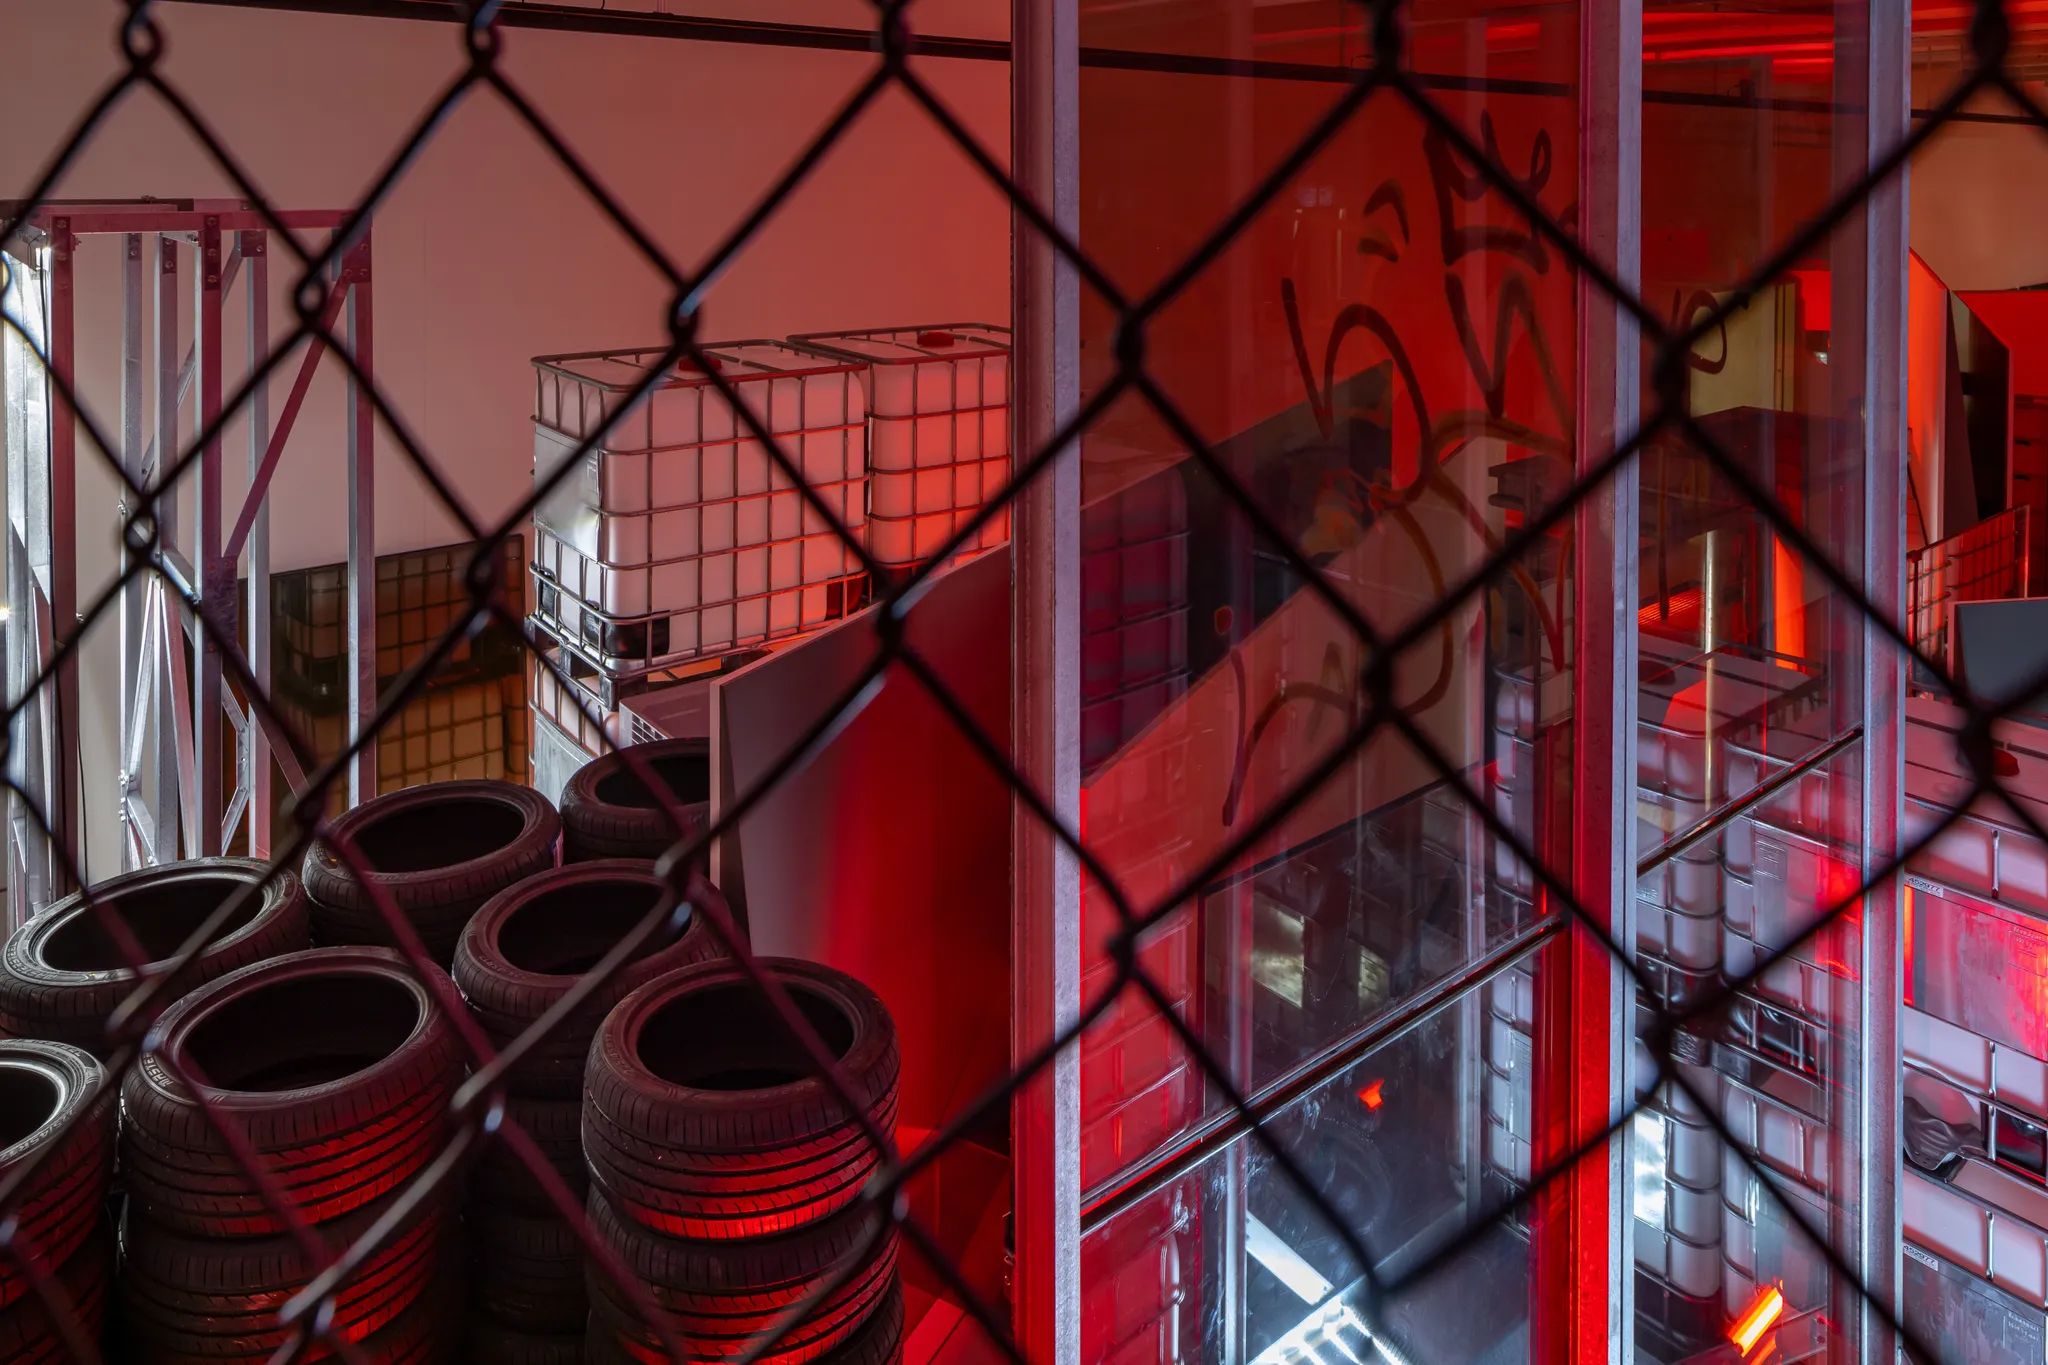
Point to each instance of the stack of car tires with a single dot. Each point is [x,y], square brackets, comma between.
[727,1175]
[521,954]
[608,812]
[63,973]
[671,1101]
[438,852]
[336,1068]
[57,1150]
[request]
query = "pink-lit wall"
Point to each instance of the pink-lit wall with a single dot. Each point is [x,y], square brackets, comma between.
[487,253]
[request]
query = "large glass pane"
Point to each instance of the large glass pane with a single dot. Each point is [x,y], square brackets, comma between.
[1974,1102]
[1382,363]
[1349,406]
[1750,673]
[1233,1260]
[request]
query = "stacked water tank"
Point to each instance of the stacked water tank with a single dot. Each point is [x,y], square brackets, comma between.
[938,433]
[679,547]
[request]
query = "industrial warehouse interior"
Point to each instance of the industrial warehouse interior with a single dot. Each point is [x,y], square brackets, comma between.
[1070,682]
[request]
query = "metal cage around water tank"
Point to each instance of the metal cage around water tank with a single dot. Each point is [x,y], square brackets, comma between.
[681,536]
[938,432]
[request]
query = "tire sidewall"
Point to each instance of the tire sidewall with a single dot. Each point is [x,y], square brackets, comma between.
[332,885]
[615,1070]
[506,994]
[593,828]
[430,1034]
[23,971]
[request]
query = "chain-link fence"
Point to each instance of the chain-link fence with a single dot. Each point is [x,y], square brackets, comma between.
[479,1116]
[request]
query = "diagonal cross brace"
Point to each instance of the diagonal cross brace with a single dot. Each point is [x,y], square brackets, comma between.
[259,482]
[190,367]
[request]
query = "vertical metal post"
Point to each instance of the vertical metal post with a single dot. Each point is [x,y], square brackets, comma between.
[62,794]
[1045,549]
[1584,1267]
[1882,984]
[216,599]
[163,784]
[1239,907]
[362,529]
[24,386]
[135,596]
[255,752]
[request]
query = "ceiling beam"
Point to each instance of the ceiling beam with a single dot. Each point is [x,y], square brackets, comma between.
[695,28]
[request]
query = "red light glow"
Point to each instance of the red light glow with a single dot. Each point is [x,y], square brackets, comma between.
[1908,938]
[1370,1096]
[1680,612]
[1757,1319]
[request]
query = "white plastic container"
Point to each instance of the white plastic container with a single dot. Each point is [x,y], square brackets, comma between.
[938,432]
[680,536]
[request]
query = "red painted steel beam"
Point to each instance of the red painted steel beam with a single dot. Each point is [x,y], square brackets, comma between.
[1586,818]
[99,218]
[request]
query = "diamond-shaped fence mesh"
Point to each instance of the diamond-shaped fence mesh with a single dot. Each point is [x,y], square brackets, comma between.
[1382,73]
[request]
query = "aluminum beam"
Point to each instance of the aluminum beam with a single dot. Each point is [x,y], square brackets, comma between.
[61,798]
[1877,1250]
[24,390]
[255,750]
[362,530]
[162,769]
[135,596]
[1045,545]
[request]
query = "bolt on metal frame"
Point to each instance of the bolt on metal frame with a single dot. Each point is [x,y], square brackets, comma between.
[1577,1177]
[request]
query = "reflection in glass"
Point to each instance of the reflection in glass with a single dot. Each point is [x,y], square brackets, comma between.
[1749,684]
[1382,365]
[1235,1261]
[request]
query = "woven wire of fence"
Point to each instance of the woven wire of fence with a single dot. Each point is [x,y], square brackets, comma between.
[1382,75]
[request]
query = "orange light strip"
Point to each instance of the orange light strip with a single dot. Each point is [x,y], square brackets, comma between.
[1757,1320]
[1679,604]
[1788,598]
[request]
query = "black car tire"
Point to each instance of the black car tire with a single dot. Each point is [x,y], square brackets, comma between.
[57,1110]
[701,1105]
[336,1063]
[607,813]
[501,1179]
[438,851]
[492,1343]
[723,1295]
[61,974]
[616,1339]
[220,1296]
[527,1273]
[531,943]
[28,1332]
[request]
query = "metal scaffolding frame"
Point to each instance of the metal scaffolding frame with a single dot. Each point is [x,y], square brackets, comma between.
[179,724]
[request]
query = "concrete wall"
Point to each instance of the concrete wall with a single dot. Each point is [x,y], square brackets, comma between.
[487,253]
